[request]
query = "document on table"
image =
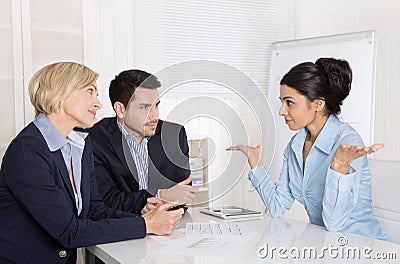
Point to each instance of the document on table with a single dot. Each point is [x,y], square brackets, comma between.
[213,229]
[203,239]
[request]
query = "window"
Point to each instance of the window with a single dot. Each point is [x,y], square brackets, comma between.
[238,33]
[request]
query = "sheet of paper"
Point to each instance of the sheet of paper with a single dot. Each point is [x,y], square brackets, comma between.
[177,234]
[213,229]
[203,239]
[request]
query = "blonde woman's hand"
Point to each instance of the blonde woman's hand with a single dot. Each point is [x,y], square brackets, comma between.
[345,154]
[152,203]
[162,221]
[252,153]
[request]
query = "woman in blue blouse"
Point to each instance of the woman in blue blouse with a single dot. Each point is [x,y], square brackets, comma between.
[325,166]
[49,203]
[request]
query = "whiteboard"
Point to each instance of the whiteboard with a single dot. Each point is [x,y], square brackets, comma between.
[358,49]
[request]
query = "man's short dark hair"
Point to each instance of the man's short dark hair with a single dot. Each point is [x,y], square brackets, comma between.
[124,85]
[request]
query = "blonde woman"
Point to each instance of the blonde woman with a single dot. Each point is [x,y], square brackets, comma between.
[49,203]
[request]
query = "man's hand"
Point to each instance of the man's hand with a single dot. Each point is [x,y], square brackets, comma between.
[160,221]
[181,193]
[152,203]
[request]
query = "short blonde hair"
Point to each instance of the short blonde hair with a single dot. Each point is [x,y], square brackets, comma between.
[55,82]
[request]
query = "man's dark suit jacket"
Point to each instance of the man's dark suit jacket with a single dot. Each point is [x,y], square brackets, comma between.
[117,174]
[38,216]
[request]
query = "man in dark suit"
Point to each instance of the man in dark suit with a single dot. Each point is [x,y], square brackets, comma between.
[140,161]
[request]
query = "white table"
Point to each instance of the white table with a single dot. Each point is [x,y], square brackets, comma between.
[284,240]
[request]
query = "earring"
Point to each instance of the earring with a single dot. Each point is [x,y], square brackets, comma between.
[58,107]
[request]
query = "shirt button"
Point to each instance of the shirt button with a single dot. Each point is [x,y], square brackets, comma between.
[62,253]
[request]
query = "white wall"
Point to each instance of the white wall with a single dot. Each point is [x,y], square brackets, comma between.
[32,33]
[108,42]
[9,117]
[316,18]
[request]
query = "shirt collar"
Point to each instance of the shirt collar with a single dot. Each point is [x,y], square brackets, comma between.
[51,135]
[77,138]
[326,138]
[128,136]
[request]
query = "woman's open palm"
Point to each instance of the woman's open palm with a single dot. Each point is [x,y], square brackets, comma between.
[346,154]
[252,153]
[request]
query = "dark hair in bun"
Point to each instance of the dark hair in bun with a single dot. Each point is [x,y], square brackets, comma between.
[327,78]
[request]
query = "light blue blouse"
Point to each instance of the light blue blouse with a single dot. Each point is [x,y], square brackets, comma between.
[340,202]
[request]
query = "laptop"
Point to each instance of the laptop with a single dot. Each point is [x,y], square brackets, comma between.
[230,212]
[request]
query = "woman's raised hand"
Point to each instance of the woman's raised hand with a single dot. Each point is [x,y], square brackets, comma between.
[252,153]
[346,154]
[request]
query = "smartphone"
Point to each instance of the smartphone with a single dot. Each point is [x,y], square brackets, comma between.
[176,207]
